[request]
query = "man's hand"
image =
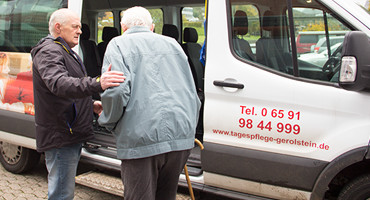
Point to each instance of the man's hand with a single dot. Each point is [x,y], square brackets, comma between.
[98,107]
[111,78]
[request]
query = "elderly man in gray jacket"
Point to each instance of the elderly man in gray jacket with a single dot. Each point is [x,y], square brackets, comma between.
[154,113]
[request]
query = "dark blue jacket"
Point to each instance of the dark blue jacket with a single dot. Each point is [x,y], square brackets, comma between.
[62,95]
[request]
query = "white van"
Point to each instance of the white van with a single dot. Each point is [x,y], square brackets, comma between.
[273,126]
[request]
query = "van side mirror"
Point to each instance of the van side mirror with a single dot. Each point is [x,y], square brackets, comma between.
[354,71]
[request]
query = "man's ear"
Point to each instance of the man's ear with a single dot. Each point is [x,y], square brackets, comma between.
[57,27]
[124,28]
[152,27]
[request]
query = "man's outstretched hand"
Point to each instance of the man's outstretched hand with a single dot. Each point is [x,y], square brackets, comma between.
[98,108]
[111,78]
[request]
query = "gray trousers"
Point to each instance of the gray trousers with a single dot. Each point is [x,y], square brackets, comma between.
[153,178]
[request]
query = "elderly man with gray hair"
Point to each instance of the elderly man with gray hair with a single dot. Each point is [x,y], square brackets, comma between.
[63,102]
[154,113]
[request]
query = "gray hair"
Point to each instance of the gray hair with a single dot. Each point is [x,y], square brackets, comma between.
[60,16]
[136,16]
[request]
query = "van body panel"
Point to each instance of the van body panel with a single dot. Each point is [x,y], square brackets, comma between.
[263,167]
[17,123]
[322,135]
[256,188]
[359,14]
[17,139]
[75,5]
[349,13]
[273,113]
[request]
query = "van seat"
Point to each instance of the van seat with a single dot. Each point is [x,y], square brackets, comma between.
[192,50]
[171,30]
[108,34]
[268,50]
[91,58]
[90,52]
[240,28]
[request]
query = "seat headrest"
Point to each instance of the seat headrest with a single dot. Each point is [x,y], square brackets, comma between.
[190,35]
[109,33]
[269,21]
[171,31]
[240,23]
[85,35]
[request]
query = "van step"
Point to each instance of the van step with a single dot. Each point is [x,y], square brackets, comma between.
[100,181]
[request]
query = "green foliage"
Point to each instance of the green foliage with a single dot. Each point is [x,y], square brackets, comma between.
[320,26]
[157,16]
[192,24]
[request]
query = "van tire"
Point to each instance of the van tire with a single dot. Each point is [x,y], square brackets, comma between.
[358,189]
[17,159]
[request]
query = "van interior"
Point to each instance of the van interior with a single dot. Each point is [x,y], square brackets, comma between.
[181,20]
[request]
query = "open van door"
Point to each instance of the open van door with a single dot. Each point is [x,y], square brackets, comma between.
[270,117]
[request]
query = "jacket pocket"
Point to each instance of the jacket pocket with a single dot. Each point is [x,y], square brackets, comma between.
[70,116]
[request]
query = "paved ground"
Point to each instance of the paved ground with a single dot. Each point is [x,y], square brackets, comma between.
[33,186]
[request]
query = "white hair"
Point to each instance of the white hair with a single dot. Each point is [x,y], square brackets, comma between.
[60,16]
[136,16]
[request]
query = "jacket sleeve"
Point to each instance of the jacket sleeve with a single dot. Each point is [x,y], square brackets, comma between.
[115,99]
[58,80]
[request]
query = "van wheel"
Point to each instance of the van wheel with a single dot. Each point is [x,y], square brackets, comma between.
[358,189]
[17,159]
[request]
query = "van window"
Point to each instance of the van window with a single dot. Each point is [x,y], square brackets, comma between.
[254,30]
[312,27]
[104,19]
[193,17]
[260,33]
[323,52]
[246,30]
[24,22]
[157,16]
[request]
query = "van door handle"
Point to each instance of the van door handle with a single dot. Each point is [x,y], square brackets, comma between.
[228,84]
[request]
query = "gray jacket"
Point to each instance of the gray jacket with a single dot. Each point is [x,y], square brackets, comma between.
[156,109]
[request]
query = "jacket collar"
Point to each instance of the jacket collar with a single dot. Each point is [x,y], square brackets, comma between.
[137,29]
[66,47]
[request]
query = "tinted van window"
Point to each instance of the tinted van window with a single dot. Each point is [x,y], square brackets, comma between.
[245,30]
[24,22]
[262,36]
[193,17]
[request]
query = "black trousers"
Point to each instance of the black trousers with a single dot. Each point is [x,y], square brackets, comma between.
[153,178]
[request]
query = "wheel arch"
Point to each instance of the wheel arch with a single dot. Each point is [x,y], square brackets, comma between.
[340,166]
